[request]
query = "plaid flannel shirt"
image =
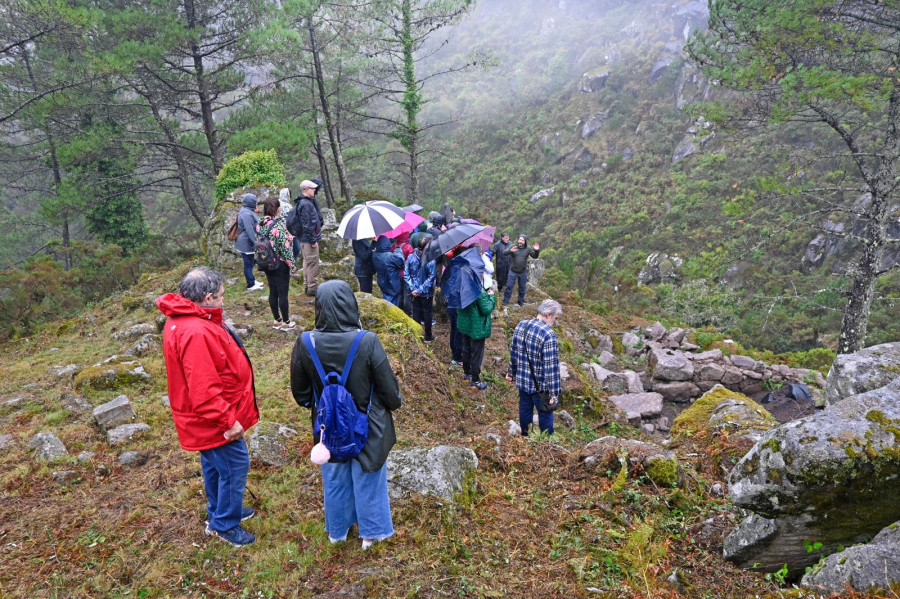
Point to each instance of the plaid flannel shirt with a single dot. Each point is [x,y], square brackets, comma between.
[535,340]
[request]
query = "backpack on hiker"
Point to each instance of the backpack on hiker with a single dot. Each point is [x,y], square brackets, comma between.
[292,222]
[343,429]
[264,251]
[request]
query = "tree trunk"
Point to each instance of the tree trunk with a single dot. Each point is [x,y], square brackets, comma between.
[198,208]
[346,189]
[57,176]
[323,168]
[216,151]
[412,103]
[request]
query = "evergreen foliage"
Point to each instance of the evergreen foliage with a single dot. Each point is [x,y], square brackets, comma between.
[252,168]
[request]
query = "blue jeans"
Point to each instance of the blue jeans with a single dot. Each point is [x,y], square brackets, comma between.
[456,338]
[522,278]
[249,263]
[225,477]
[353,496]
[528,402]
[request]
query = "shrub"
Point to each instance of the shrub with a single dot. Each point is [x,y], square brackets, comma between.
[253,168]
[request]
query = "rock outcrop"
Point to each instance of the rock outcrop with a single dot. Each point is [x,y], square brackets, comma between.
[269,444]
[868,369]
[440,471]
[874,565]
[832,478]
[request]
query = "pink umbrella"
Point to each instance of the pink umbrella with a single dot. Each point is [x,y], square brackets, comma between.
[412,221]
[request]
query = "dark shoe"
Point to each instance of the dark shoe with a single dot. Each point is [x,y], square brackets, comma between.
[520,302]
[246,514]
[467,377]
[311,293]
[236,537]
[429,339]
[480,385]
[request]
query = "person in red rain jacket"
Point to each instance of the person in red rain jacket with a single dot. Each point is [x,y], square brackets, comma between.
[212,396]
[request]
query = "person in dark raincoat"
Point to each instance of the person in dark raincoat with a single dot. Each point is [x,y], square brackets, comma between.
[388,265]
[363,267]
[518,267]
[356,492]
[419,275]
[501,261]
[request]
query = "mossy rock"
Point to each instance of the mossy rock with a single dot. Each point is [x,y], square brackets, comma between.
[720,408]
[386,319]
[113,374]
[605,455]
[131,302]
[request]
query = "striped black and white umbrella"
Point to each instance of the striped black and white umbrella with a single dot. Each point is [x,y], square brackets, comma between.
[370,219]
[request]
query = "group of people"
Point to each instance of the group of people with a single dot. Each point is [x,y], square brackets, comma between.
[211,382]
[289,235]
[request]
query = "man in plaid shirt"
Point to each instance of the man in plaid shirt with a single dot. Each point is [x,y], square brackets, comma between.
[534,349]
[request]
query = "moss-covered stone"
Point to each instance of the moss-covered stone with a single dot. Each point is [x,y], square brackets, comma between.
[386,319]
[114,374]
[662,470]
[742,414]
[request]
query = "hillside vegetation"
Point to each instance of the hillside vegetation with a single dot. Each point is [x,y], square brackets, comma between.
[530,522]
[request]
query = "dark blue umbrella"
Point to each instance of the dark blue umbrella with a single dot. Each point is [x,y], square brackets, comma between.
[465,282]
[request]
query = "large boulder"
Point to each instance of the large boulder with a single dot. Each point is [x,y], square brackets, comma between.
[870,368]
[219,252]
[135,331]
[832,478]
[606,454]
[440,471]
[875,565]
[270,444]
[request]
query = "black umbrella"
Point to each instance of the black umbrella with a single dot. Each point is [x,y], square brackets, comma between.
[452,237]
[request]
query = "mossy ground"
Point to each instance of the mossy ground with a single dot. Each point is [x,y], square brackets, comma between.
[531,524]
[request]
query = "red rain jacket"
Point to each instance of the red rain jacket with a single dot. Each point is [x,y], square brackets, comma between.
[209,373]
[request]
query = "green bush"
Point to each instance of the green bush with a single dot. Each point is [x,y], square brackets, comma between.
[253,168]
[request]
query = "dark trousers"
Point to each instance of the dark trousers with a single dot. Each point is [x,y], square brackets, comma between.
[456,338]
[472,357]
[406,303]
[500,276]
[423,312]
[528,402]
[522,278]
[365,284]
[279,283]
[225,477]
[249,263]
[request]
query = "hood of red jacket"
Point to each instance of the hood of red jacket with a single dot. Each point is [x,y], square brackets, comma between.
[175,304]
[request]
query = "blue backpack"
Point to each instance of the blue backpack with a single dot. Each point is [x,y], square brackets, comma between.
[344,430]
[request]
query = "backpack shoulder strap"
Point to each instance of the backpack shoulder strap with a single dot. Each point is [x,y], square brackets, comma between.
[352,355]
[307,339]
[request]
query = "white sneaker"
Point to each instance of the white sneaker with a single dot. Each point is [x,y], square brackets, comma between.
[256,287]
[366,543]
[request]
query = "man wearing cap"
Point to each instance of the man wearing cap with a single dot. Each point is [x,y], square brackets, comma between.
[310,218]
[501,269]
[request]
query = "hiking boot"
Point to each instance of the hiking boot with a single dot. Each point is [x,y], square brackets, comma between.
[236,537]
[521,303]
[467,377]
[480,385]
[429,339]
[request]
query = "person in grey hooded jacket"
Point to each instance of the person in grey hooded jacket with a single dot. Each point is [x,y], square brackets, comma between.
[355,491]
[248,222]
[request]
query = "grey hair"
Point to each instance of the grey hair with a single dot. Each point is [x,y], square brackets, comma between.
[549,307]
[200,282]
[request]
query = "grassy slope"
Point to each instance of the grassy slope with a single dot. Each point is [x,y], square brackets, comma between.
[531,523]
